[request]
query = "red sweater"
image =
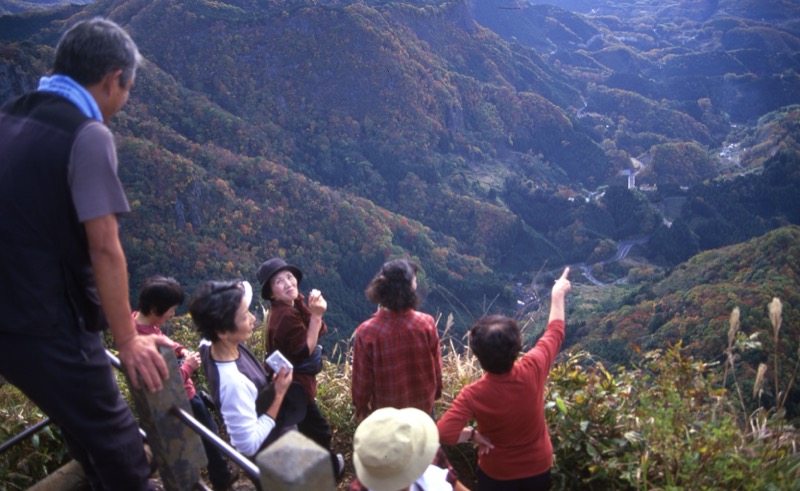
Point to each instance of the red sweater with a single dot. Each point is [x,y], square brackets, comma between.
[184,369]
[509,409]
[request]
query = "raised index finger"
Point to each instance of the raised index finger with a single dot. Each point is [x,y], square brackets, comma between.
[565,273]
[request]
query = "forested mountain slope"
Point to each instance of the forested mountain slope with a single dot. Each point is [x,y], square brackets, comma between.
[693,304]
[470,135]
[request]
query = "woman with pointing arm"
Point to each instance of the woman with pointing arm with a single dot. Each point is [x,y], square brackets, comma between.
[508,401]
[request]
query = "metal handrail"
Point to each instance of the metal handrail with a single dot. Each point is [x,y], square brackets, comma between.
[24,434]
[246,464]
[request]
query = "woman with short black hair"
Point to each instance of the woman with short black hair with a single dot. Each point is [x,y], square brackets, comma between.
[158,299]
[221,313]
[508,401]
[496,341]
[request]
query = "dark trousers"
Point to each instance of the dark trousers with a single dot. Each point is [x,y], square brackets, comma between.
[540,482]
[218,472]
[70,378]
[317,428]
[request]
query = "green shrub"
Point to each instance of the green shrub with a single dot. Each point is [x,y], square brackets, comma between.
[586,411]
[30,459]
[670,422]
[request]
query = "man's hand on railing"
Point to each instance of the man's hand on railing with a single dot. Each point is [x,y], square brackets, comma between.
[141,358]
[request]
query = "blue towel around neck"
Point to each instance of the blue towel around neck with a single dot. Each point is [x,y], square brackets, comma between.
[75,92]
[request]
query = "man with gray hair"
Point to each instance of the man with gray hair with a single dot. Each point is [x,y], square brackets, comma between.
[62,266]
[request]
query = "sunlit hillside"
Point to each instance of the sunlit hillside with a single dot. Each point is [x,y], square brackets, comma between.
[650,145]
[477,137]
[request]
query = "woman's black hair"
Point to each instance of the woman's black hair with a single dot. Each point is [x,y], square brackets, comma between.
[213,307]
[391,287]
[158,295]
[496,342]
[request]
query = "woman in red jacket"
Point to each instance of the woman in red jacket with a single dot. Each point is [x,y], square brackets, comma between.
[508,401]
[294,328]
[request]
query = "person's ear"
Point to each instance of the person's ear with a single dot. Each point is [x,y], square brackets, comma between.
[112,80]
[223,335]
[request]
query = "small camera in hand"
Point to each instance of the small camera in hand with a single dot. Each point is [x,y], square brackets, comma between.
[276,361]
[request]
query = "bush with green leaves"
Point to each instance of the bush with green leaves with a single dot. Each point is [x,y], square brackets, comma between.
[586,410]
[670,422]
[29,460]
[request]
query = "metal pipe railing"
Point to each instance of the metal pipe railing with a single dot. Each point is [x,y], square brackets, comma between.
[243,462]
[246,464]
[24,434]
[204,432]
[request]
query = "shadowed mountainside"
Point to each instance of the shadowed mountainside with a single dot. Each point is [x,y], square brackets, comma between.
[338,134]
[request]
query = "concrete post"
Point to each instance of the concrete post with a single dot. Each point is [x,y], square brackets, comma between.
[295,463]
[177,449]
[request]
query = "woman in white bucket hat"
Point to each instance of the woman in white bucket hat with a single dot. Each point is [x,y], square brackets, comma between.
[398,450]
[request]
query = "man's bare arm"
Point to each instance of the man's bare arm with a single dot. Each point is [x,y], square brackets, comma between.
[138,354]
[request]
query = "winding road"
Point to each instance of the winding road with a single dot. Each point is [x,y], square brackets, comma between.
[623,249]
[529,300]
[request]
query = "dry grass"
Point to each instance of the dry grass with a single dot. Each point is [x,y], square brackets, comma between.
[335,401]
[334,396]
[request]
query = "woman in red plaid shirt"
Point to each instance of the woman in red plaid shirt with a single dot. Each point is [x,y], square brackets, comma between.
[397,361]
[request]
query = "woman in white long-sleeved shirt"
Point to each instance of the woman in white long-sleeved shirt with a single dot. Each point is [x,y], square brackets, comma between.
[221,313]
